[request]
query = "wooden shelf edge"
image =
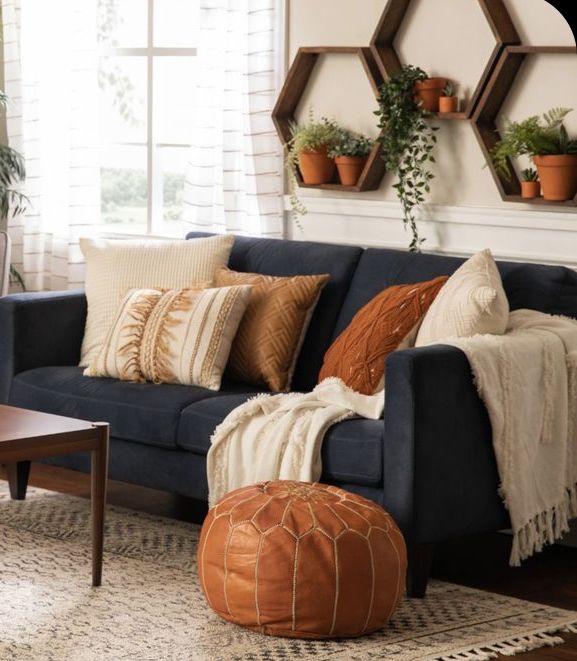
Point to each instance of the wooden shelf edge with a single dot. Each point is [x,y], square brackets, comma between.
[539,201]
[451,116]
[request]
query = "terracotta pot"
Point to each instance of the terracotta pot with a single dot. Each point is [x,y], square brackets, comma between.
[316,166]
[558,176]
[449,104]
[530,190]
[429,91]
[350,168]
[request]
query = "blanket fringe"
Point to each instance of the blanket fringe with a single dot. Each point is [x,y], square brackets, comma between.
[512,646]
[545,528]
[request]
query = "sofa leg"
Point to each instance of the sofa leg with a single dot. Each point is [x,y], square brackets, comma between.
[18,479]
[420,557]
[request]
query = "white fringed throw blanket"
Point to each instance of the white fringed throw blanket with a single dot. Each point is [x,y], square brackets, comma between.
[528,382]
[527,379]
[280,436]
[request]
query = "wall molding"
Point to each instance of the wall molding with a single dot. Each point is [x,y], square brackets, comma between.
[516,234]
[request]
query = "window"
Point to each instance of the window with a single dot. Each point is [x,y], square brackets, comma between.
[147,54]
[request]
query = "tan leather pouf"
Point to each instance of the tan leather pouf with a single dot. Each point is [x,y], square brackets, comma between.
[302,560]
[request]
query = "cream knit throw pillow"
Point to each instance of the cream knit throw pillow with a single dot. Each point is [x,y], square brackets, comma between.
[471,302]
[175,336]
[115,266]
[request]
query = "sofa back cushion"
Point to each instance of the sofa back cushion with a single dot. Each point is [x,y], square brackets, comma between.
[550,289]
[286,258]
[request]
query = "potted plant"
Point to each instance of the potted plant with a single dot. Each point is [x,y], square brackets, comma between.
[530,186]
[545,139]
[428,91]
[308,150]
[449,101]
[12,201]
[351,152]
[408,142]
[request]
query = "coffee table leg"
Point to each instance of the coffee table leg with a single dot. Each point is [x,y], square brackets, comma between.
[99,472]
[18,479]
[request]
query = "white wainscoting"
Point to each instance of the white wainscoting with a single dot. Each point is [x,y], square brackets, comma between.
[516,234]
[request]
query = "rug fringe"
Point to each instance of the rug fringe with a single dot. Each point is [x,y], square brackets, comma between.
[512,646]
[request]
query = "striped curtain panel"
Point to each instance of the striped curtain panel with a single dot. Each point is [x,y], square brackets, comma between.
[235,173]
[50,68]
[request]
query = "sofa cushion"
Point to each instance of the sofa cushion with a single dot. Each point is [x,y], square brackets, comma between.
[352,450]
[286,258]
[140,412]
[551,289]
[386,323]
[272,330]
[472,302]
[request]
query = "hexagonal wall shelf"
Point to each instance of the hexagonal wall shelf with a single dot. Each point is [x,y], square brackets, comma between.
[490,104]
[295,84]
[382,44]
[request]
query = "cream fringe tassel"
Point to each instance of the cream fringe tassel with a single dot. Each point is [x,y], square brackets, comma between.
[511,646]
[545,528]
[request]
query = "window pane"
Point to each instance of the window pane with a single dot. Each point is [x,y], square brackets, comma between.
[124,188]
[176,23]
[174,91]
[122,82]
[173,171]
[122,23]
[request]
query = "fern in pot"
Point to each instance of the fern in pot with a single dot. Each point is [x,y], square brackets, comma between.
[408,141]
[308,150]
[545,139]
[351,153]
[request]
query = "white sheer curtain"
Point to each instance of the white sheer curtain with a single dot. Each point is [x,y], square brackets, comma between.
[50,65]
[235,176]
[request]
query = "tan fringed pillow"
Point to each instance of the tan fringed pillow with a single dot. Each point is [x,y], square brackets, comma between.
[175,336]
[358,354]
[114,266]
[270,336]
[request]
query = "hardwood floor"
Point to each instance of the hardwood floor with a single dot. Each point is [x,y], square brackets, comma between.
[480,562]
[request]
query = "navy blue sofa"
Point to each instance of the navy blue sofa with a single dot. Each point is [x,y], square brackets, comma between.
[430,462]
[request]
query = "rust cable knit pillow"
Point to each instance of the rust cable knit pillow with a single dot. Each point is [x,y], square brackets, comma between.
[270,335]
[358,354]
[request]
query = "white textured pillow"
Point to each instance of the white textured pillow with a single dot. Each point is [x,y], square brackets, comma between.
[115,266]
[175,336]
[471,302]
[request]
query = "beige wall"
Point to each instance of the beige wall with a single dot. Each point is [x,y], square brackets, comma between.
[449,37]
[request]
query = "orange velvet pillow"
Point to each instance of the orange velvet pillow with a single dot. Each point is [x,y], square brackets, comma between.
[358,354]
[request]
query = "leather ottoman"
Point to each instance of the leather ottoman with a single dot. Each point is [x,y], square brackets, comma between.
[302,560]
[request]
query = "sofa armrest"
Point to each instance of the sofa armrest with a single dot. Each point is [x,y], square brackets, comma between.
[440,473]
[39,329]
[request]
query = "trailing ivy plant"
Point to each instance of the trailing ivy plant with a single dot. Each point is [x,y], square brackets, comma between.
[408,141]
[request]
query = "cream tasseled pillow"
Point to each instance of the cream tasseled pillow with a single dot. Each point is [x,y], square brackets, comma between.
[115,266]
[175,336]
[471,302]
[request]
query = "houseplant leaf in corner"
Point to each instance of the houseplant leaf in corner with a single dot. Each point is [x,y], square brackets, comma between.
[12,172]
[408,142]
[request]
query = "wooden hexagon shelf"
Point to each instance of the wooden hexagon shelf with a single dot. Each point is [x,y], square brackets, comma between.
[490,104]
[382,44]
[293,89]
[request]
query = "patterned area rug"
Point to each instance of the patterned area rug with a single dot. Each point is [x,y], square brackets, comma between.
[150,606]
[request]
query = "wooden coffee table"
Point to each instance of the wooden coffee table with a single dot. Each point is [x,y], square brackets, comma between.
[27,435]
